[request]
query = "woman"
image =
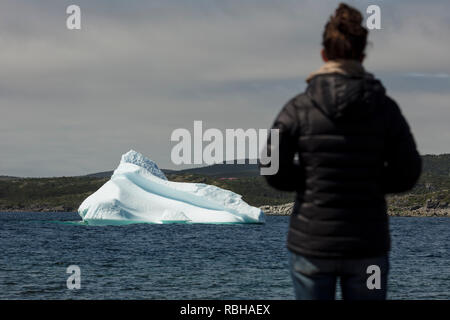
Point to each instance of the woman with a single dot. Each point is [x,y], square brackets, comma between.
[353,146]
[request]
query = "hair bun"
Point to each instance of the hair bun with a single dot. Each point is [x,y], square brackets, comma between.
[344,36]
[346,14]
[348,21]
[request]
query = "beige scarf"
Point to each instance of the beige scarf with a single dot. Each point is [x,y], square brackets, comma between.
[347,67]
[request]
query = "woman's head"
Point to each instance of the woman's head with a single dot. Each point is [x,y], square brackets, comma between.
[344,37]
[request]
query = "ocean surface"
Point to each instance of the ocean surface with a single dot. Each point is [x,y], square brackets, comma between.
[179,261]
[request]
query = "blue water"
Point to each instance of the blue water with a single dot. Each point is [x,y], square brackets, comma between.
[179,261]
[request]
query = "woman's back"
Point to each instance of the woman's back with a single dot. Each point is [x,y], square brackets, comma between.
[353,146]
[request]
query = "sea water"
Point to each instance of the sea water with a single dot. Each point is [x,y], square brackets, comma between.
[191,261]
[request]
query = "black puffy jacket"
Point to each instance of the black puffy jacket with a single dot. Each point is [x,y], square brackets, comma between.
[354,146]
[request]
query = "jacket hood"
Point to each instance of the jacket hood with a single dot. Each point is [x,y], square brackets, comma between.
[340,95]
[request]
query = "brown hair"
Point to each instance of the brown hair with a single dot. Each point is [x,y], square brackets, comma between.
[344,37]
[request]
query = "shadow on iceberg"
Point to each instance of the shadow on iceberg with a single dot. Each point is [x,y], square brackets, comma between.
[139,192]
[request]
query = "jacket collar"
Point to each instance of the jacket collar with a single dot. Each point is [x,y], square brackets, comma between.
[341,66]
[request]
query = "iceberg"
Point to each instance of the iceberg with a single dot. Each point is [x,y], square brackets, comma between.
[139,192]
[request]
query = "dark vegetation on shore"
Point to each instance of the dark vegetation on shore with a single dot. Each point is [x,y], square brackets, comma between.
[66,193]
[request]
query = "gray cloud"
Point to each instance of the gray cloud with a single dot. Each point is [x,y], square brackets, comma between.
[73,101]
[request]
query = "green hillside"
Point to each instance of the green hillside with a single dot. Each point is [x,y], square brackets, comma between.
[66,193]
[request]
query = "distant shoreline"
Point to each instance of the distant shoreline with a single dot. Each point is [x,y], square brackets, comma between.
[430,196]
[277,210]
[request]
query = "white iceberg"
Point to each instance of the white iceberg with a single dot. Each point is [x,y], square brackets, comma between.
[139,192]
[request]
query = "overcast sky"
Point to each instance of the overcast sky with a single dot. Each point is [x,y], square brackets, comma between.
[73,101]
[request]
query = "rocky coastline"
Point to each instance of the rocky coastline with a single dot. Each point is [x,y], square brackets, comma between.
[430,209]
